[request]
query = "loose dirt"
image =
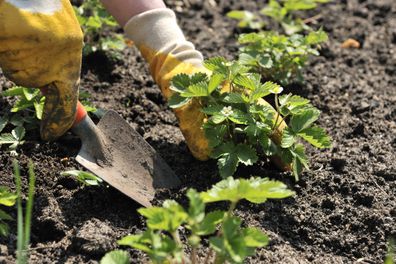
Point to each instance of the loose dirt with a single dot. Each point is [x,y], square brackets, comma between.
[345,208]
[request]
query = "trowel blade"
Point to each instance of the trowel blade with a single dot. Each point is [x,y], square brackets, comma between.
[136,169]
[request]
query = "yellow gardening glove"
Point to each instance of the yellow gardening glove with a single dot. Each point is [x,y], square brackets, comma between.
[163,45]
[40,47]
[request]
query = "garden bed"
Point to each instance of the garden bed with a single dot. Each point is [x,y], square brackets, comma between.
[345,207]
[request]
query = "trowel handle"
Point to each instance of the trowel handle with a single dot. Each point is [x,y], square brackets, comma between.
[81,113]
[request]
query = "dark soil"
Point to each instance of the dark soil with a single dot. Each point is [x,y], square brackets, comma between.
[345,208]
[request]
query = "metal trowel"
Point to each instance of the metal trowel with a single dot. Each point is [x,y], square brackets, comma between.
[115,152]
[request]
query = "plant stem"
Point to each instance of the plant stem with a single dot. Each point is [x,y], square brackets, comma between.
[29,206]
[20,233]
[194,255]
[277,113]
[209,256]
[232,208]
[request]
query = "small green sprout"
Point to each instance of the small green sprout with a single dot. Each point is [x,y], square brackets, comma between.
[246,19]
[228,241]
[84,177]
[281,11]
[96,23]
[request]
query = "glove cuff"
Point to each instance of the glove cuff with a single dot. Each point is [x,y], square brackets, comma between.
[157,30]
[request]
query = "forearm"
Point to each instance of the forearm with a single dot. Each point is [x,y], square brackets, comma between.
[123,10]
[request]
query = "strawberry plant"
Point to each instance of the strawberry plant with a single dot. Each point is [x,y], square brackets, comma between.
[281,11]
[240,125]
[7,199]
[26,113]
[228,240]
[279,57]
[99,28]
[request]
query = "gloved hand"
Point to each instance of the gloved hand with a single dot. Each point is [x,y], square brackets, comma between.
[163,45]
[40,47]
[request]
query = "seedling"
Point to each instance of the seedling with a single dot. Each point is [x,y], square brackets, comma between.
[278,57]
[240,125]
[228,241]
[7,198]
[99,28]
[24,220]
[281,11]
[26,114]
[246,19]
[84,177]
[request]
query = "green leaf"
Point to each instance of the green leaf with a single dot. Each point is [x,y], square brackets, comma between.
[212,109]
[215,134]
[266,62]
[292,101]
[4,229]
[240,14]
[255,190]
[169,217]
[233,98]
[18,133]
[39,107]
[254,237]
[288,138]
[196,90]
[17,120]
[140,241]
[176,101]
[247,59]
[246,154]
[159,247]
[14,91]
[245,82]
[84,177]
[30,93]
[216,64]
[224,149]
[299,5]
[6,197]
[22,104]
[300,160]
[7,138]
[268,146]
[196,209]
[180,82]
[3,122]
[209,223]
[316,37]
[238,117]
[215,81]
[227,165]
[4,216]
[316,136]
[302,121]
[218,118]
[264,90]
[116,257]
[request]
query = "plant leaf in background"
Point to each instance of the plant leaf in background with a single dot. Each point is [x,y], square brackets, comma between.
[116,257]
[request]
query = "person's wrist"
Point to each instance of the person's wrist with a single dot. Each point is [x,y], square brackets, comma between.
[124,10]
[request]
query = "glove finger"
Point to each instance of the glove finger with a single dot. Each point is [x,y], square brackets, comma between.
[59,109]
